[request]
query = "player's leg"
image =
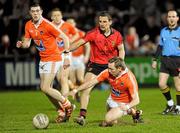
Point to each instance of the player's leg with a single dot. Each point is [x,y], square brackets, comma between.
[84,100]
[165,89]
[85,94]
[64,81]
[80,71]
[177,86]
[72,78]
[56,104]
[111,116]
[47,72]
[46,80]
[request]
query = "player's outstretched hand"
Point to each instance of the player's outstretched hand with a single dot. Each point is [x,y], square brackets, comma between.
[19,44]
[66,63]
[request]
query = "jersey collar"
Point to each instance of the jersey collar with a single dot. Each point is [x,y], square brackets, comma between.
[103,33]
[123,72]
[175,28]
[61,23]
[39,22]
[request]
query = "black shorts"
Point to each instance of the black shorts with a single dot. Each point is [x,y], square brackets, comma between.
[170,65]
[96,68]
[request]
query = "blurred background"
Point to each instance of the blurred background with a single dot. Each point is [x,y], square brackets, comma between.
[139,21]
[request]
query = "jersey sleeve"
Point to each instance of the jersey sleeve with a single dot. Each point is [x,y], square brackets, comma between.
[161,38]
[27,28]
[73,30]
[119,39]
[103,75]
[53,30]
[89,36]
[132,85]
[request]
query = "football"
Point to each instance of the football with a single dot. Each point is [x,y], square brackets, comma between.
[41,121]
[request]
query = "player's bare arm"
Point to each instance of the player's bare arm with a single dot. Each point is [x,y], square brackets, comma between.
[65,40]
[121,51]
[87,52]
[74,37]
[77,44]
[66,47]
[25,43]
[84,86]
[135,101]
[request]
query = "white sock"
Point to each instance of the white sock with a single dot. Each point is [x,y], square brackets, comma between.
[170,102]
[178,107]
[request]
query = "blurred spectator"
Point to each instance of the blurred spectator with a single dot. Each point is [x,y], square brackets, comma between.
[147,46]
[5,48]
[145,16]
[7,52]
[131,41]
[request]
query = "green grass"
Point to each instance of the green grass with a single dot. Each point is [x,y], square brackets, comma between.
[17,109]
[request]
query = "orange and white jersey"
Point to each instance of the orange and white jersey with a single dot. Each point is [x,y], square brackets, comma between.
[68,29]
[44,35]
[80,50]
[123,86]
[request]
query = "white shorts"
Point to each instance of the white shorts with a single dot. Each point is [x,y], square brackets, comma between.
[49,67]
[113,104]
[63,57]
[78,62]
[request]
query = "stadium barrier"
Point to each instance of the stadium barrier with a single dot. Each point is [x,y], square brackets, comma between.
[25,74]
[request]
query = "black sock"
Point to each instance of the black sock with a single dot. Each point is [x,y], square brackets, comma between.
[178,97]
[83,112]
[166,93]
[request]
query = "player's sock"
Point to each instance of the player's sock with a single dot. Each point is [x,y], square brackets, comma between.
[166,93]
[170,102]
[178,99]
[66,103]
[83,113]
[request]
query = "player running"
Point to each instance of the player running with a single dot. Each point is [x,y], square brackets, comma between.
[44,35]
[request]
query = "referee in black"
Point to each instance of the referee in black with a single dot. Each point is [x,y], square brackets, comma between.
[169,49]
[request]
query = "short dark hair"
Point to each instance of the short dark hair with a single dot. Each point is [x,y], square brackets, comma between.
[56,9]
[118,62]
[105,14]
[34,4]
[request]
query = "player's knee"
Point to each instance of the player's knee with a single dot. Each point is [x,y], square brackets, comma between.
[162,85]
[81,80]
[108,118]
[177,86]
[44,88]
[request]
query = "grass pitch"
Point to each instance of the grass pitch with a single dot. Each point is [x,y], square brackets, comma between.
[17,108]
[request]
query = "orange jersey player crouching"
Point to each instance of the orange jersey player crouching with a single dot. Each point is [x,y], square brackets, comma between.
[124,91]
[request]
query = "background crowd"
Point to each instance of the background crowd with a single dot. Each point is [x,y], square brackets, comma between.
[139,21]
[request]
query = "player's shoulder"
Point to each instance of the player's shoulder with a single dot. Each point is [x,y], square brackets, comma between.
[29,25]
[67,24]
[47,22]
[105,72]
[164,28]
[115,31]
[94,30]
[29,22]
